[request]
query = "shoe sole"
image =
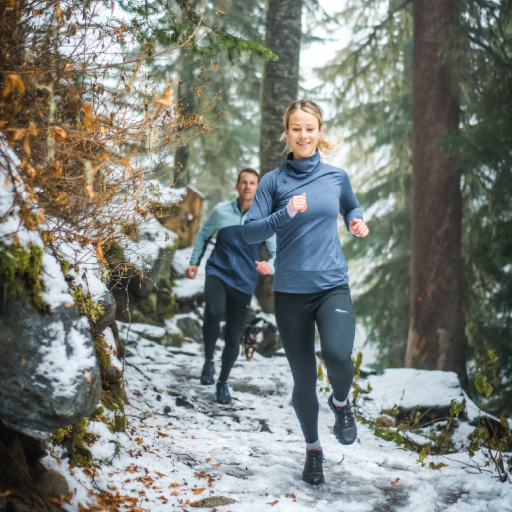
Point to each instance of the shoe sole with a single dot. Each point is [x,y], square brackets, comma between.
[331,406]
[223,403]
[207,383]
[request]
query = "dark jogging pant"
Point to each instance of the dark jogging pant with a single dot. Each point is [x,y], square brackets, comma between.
[296,315]
[223,299]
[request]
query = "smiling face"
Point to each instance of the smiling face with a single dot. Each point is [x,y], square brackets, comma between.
[303,133]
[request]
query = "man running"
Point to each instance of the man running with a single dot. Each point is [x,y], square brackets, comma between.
[231,277]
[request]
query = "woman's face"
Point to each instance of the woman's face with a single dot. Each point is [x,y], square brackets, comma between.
[303,133]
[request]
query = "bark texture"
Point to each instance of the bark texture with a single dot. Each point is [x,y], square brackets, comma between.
[280,78]
[280,87]
[436,335]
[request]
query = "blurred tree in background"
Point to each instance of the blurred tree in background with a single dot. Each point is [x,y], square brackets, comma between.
[373,78]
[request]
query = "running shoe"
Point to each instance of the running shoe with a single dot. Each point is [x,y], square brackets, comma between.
[207,375]
[345,428]
[223,396]
[313,473]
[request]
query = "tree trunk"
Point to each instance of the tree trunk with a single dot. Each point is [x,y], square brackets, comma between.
[280,78]
[436,334]
[188,104]
[280,87]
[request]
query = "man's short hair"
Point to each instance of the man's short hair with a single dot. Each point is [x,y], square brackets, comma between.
[249,170]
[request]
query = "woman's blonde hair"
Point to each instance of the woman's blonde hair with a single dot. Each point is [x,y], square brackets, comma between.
[326,146]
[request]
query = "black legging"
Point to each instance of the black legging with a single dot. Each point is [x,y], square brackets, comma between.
[296,315]
[222,298]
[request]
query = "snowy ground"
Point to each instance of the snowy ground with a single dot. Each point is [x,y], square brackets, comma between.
[181,446]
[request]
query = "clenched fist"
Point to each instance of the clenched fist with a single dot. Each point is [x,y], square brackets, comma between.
[263,267]
[298,203]
[358,227]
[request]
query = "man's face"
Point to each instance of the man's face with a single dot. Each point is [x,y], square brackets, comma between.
[247,186]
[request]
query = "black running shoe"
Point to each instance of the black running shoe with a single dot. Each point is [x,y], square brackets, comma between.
[345,428]
[207,375]
[313,473]
[223,396]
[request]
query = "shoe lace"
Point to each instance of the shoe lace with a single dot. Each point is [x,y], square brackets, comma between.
[223,388]
[314,460]
[345,415]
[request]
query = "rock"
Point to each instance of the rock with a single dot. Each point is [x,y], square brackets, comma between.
[386,421]
[213,501]
[53,484]
[270,343]
[191,328]
[49,374]
[108,302]
[111,374]
[183,218]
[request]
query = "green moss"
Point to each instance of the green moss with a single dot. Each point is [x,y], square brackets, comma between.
[79,451]
[101,353]
[84,304]
[21,271]
[97,412]
[113,401]
[59,435]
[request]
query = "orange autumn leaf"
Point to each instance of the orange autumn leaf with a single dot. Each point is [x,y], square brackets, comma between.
[208,459]
[395,481]
[68,66]
[200,490]
[126,162]
[89,117]
[87,375]
[68,305]
[25,214]
[175,493]
[26,146]
[290,495]
[40,216]
[59,134]
[273,503]
[90,191]
[167,98]
[139,440]
[59,14]
[216,465]
[15,239]
[61,198]
[99,252]
[18,134]
[32,128]
[58,169]
[13,83]
[175,485]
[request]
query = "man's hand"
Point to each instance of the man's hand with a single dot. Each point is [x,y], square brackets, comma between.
[358,227]
[263,267]
[298,203]
[191,272]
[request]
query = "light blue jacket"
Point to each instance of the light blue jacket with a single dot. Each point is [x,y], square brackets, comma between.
[232,258]
[309,256]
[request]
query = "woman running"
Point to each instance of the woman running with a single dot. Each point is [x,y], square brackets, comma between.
[300,202]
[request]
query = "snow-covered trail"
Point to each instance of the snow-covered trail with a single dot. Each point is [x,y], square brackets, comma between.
[181,446]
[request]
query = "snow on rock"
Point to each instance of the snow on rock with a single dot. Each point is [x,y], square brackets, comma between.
[408,388]
[48,369]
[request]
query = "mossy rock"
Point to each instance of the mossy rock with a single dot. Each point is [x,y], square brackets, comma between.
[21,273]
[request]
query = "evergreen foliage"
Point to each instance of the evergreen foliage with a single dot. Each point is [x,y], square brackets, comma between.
[373,78]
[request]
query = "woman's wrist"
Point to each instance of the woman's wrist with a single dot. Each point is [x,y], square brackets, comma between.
[290,210]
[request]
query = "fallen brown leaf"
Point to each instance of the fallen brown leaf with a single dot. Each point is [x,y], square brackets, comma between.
[200,490]
[13,83]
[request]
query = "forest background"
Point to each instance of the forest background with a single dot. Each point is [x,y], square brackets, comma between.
[368,83]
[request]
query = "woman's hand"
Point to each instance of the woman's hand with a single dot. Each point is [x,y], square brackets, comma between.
[298,203]
[191,272]
[358,227]
[263,267]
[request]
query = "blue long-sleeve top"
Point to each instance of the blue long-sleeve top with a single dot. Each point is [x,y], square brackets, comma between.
[232,259]
[309,256]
